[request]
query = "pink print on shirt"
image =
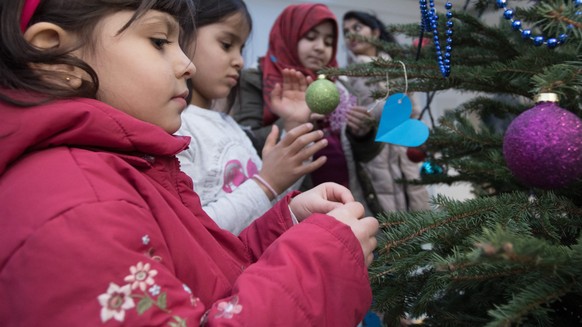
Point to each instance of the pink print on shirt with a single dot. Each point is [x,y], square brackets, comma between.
[234,174]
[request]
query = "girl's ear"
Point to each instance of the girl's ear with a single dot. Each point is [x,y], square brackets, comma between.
[48,36]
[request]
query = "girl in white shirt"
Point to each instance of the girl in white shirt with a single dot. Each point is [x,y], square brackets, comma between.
[235,186]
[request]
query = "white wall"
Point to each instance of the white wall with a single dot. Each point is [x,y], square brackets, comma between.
[264,13]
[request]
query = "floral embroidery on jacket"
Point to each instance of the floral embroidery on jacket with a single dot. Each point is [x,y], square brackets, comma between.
[115,302]
[228,309]
[118,299]
[141,276]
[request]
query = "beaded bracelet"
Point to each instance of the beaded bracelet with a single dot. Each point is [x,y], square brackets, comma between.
[266,184]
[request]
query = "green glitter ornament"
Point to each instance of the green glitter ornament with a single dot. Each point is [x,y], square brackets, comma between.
[322,96]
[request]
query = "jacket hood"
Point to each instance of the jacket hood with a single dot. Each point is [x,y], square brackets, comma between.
[80,123]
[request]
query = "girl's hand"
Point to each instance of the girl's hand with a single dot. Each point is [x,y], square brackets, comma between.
[323,198]
[285,162]
[360,121]
[338,202]
[288,101]
[365,229]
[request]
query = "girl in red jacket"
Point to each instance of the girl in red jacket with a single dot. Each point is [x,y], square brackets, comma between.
[98,226]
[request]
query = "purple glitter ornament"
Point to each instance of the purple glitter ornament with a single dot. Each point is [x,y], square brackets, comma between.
[543,146]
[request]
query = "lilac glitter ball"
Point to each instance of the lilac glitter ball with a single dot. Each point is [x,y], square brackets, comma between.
[543,146]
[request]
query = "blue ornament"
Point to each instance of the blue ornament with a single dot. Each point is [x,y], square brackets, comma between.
[430,168]
[397,127]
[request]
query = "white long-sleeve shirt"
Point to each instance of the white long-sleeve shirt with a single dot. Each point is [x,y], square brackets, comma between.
[221,161]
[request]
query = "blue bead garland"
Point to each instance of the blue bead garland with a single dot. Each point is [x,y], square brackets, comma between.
[527,34]
[429,23]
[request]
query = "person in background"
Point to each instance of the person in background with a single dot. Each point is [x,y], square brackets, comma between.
[392,164]
[304,37]
[234,185]
[98,224]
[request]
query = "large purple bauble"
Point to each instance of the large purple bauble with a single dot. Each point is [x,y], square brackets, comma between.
[543,146]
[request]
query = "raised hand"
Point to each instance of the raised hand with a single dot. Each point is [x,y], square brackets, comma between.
[288,100]
[285,162]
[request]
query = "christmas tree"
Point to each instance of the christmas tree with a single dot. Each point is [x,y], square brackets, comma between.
[512,255]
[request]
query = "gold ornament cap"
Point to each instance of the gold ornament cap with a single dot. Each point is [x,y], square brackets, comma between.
[321,76]
[546,97]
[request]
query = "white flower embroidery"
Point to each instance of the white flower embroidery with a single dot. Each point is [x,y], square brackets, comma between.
[228,309]
[155,290]
[115,302]
[145,239]
[141,276]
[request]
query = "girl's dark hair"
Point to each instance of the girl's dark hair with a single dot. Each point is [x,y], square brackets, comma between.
[213,11]
[372,22]
[80,17]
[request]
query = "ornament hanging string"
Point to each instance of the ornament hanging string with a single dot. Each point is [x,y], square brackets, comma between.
[388,89]
[372,108]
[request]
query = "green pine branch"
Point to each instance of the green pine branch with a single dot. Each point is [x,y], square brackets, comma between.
[487,246]
[511,255]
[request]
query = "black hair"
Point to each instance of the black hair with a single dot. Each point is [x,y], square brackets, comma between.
[372,22]
[213,11]
[79,16]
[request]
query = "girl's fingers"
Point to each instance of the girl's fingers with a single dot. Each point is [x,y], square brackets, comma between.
[271,140]
[302,85]
[305,140]
[313,165]
[295,133]
[309,150]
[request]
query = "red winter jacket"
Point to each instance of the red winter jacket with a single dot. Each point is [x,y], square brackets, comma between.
[98,227]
